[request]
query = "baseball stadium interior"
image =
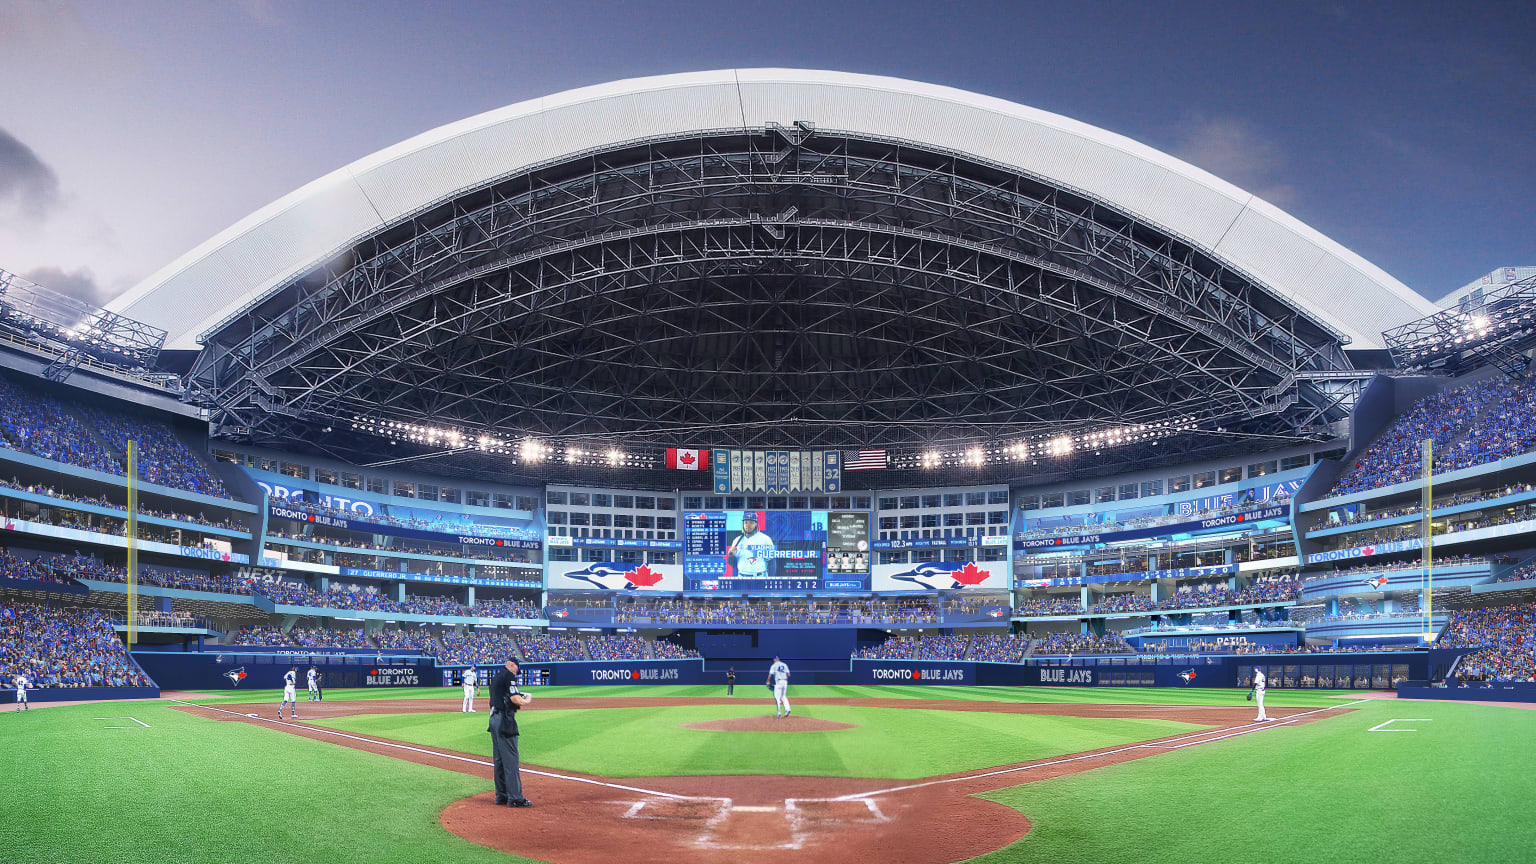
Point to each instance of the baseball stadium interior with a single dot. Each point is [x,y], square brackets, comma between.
[816,387]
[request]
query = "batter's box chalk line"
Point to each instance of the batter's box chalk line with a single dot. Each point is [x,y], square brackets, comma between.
[797,818]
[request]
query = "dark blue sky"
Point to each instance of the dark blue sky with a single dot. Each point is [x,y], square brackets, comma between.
[131,132]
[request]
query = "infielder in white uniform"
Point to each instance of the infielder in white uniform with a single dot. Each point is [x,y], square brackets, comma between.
[470,680]
[21,694]
[746,551]
[314,688]
[290,692]
[778,673]
[1258,692]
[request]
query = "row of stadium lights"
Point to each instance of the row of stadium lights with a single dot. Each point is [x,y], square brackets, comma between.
[1475,329]
[1057,446]
[531,452]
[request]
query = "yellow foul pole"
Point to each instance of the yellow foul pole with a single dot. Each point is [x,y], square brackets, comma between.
[1429,539]
[133,541]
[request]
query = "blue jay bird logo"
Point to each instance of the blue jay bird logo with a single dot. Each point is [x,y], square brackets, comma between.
[938,576]
[609,577]
[235,675]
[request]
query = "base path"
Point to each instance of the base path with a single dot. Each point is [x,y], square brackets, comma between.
[579,818]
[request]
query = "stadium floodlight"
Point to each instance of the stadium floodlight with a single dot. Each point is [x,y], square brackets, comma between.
[615,456]
[974,456]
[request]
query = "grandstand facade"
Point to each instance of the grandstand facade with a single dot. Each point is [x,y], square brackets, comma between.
[673,375]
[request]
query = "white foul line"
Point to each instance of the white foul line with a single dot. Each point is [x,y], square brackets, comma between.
[1377,727]
[1258,727]
[141,723]
[441,755]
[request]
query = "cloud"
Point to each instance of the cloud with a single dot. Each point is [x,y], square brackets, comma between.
[26,180]
[1235,151]
[80,284]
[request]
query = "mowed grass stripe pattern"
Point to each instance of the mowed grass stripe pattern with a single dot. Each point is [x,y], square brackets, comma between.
[190,790]
[1056,695]
[891,743]
[1460,788]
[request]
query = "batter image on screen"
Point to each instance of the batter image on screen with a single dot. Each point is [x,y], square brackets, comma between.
[748,553]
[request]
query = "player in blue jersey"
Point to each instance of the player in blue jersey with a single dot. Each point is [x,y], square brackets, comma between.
[746,554]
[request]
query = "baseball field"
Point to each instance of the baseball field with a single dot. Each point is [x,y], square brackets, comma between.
[679,774]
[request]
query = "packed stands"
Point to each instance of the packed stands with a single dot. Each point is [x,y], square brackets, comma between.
[185,580]
[298,594]
[34,423]
[61,569]
[446,523]
[160,458]
[104,502]
[619,648]
[479,648]
[505,608]
[1505,637]
[1527,570]
[424,605]
[1127,602]
[1050,607]
[541,647]
[1082,643]
[1363,570]
[421,639]
[63,647]
[668,651]
[936,647]
[1394,457]
[329,637]
[1504,430]
[261,635]
[999,647]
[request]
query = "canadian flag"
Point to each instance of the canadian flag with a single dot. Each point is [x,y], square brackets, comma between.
[687,460]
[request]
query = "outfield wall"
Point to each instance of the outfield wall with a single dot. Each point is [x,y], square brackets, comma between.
[78,694]
[1498,691]
[1164,672]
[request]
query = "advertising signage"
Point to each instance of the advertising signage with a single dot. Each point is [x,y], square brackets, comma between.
[1226,520]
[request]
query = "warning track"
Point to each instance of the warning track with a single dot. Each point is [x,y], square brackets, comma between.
[578,818]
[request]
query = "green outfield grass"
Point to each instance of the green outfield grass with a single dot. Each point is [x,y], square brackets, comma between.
[189,790]
[1086,695]
[1461,788]
[649,742]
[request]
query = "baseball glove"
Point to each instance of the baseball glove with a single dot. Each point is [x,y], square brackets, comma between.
[1250,695]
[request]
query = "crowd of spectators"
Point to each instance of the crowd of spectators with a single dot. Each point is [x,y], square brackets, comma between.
[56,568]
[1050,606]
[63,647]
[400,547]
[34,423]
[998,647]
[428,605]
[545,647]
[1363,570]
[1505,637]
[1504,430]
[418,639]
[671,610]
[937,647]
[1075,528]
[1395,456]
[1082,643]
[1129,601]
[258,634]
[618,648]
[186,580]
[103,502]
[505,608]
[671,651]
[160,457]
[1525,571]
[479,648]
[1344,517]
[298,594]
[329,637]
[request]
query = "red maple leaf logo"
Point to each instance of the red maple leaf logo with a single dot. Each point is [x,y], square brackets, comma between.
[1368,550]
[971,574]
[917,674]
[635,675]
[643,577]
[687,459]
[240,675]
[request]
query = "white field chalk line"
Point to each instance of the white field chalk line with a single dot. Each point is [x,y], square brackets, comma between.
[1259,727]
[142,724]
[447,755]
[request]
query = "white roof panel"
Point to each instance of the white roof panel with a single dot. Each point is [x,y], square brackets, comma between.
[299,230]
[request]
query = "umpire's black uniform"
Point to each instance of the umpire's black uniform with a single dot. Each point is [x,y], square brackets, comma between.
[503,729]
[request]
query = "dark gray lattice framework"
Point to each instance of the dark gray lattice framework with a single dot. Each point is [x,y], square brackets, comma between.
[789,287]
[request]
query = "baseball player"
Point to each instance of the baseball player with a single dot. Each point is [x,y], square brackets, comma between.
[778,673]
[21,694]
[745,551]
[1258,692]
[470,688]
[314,686]
[290,692]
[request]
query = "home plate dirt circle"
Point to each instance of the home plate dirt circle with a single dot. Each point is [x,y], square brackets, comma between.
[770,724]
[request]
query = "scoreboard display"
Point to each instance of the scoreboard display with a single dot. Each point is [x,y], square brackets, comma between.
[774,550]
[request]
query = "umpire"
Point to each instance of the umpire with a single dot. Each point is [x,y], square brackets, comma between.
[505,702]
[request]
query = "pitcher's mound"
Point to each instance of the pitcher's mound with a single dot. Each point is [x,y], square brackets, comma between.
[770,724]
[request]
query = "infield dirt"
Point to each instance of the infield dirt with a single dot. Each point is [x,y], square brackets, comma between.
[579,818]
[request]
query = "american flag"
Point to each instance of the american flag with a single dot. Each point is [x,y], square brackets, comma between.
[864,460]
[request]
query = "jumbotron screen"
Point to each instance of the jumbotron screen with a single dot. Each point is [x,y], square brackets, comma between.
[775,550]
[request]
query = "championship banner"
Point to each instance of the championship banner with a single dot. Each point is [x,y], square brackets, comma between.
[767,472]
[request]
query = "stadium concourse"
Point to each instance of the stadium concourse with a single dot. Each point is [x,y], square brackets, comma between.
[1111,438]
